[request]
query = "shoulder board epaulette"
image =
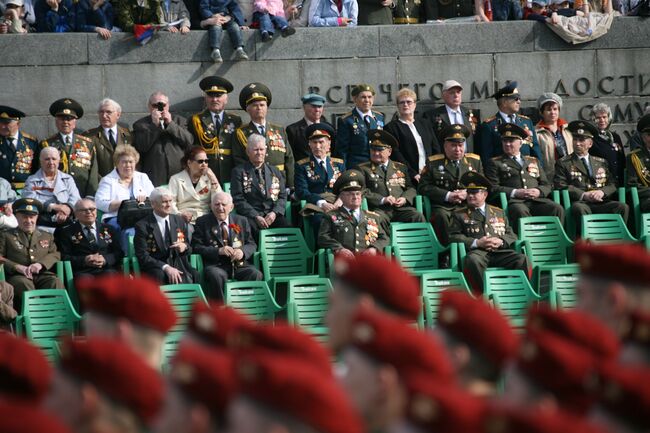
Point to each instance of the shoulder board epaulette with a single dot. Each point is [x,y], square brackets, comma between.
[566,157]
[495,208]
[365,164]
[83,137]
[29,136]
[369,212]
[598,158]
[489,119]
[472,155]
[346,115]
[337,160]
[523,117]
[437,157]
[274,126]
[378,112]
[303,161]
[529,158]
[44,143]
[399,164]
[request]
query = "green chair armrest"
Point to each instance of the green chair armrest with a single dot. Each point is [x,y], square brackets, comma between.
[419,205]
[2,273]
[503,198]
[60,271]
[621,194]
[126,266]
[555,195]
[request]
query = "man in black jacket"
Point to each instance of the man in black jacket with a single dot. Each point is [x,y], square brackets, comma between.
[313,106]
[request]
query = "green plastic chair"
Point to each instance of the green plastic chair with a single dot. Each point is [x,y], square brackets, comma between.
[417,248]
[47,314]
[50,349]
[562,283]
[253,299]
[604,228]
[307,303]
[566,203]
[511,292]
[433,284]
[644,233]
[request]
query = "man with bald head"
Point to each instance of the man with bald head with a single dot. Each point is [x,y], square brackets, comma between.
[225,242]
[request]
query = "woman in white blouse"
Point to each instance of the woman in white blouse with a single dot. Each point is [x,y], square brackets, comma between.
[193,187]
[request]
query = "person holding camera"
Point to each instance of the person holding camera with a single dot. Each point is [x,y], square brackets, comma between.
[161,139]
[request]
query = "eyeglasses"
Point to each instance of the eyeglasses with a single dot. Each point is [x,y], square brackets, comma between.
[201,161]
[87,210]
[407,102]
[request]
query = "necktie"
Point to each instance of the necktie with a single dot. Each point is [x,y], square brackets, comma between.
[322,166]
[217,123]
[168,234]
[260,178]
[67,140]
[12,142]
[366,119]
[511,118]
[456,121]
[384,168]
[90,235]
[262,131]
[224,233]
[111,139]
[586,164]
[457,167]
[515,159]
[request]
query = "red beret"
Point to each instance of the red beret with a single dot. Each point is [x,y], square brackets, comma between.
[637,328]
[139,300]
[514,420]
[559,366]
[479,325]
[295,388]
[624,391]
[116,371]
[393,341]
[577,326]
[384,279]
[22,418]
[627,263]
[216,323]
[24,372]
[205,376]
[284,339]
[442,408]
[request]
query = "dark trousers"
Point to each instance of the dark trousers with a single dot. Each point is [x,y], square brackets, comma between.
[44,280]
[477,261]
[216,277]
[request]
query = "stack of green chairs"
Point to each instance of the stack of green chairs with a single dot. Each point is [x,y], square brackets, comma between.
[605,228]
[417,248]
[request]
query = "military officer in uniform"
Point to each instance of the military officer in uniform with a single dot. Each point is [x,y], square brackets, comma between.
[488,140]
[484,230]
[78,155]
[352,129]
[17,148]
[313,106]
[29,253]
[440,178]
[108,135]
[407,12]
[521,178]
[638,165]
[349,230]
[588,179]
[255,98]
[215,129]
[388,185]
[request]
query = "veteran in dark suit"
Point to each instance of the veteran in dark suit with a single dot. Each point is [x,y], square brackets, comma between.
[591,186]
[638,165]
[162,237]
[521,178]
[90,246]
[78,154]
[313,106]
[484,230]
[388,187]
[17,148]
[108,135]
[256,98]
[440,180]
[258,189]
[226,244]
[29,253]
[349,230]
[214,128]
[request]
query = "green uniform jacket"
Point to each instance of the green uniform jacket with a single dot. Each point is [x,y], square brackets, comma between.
[439,176]
[79,160]
[104,148]
[468,224]
[506,175]
[278,154]
[128,13]
[395,182]
[571,174]
[338,229]
[16,248]
[638,172]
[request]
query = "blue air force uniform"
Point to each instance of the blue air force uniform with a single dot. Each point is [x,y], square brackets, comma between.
[352,136]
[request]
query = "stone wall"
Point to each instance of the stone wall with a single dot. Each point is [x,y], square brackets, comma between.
[39,68]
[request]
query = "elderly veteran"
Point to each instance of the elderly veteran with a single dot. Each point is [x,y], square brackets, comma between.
[29,252]
[55,189]
[17,148]
[555,141]
[312,106]
[7,197]
[607,144]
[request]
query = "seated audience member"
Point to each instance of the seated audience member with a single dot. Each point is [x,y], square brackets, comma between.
[591,186]
[29,253]
[638,165]
[389,190]
[415,138]
[54,189]
[123,183]
[59,17]
[459,10]
[162,242]
[633,143]
[407,12]
[269,15]
[7,197]
[90,246]
[95,16]
[225,242]
[108,135]
[502,10]
[258,189]
[607,144]
[327,13]
[131,12]
[312,107]
[563,8]
[452,112]
[485,231]
[555,141]
[193,187]
[350,230]
[375,12]
[297,12]
[13,18]
[223,14]
[19,148]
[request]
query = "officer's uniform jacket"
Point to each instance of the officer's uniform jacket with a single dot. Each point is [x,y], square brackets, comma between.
[506,175]
[16,165]
[439,177]
[395,182]
[17,249]
[218,145]
[79,160]
[487,142]
[468,225]
[352,144]
[105,149]
[339,229]
[312,181]
[571,174]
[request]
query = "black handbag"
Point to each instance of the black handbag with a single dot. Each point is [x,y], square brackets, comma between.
[131,211]
[175,260]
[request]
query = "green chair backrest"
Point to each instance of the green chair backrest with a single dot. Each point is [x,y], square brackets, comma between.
[644,230]
[433,284]
[182,297]
[416,246]
[563,281]
[48,314]
[251,298]
[284,253]
[510,292]
[50,349]
[546,243]
[307,303]
[603,228]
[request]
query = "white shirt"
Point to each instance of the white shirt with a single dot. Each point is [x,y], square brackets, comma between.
[114,129]
[258,126]
[217,116]
[482,209]
[457,118]
[363,115]
[510,118]
[422,155]
[63,137]
[161,224]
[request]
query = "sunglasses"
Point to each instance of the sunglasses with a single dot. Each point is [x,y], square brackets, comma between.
[201,161]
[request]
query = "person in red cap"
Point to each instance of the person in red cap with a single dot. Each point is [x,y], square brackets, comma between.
[369,280]
[479,339]
[214,324]
[25,374]
[636,339]
[614,279]
[134,311]
[18,417]
[281,393]
[504,419]
[102,385]
[382,353]
[199,388]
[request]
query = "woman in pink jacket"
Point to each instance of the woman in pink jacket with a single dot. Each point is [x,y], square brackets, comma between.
[270,16]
